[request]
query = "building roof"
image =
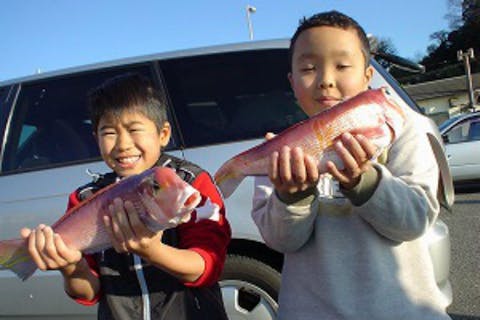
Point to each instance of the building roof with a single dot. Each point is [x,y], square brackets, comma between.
[442,87]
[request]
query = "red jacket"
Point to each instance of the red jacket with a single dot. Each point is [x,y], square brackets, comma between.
[208,237]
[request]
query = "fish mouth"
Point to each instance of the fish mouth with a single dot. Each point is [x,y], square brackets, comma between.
[191,199]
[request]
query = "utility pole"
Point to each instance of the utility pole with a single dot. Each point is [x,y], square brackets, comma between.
[465,57]
[250,10]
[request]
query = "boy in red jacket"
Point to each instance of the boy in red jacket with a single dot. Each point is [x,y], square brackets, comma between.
[145,275]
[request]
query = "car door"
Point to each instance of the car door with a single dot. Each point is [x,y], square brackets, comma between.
[463,142]
[48,150]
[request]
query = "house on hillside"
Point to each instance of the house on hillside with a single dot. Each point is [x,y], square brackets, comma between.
[444,98]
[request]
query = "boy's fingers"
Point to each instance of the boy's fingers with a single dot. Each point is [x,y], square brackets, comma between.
[138,227]
[355,149]
[269,135]
[337,174]
[311,170]
[39,238]
[114,223]
[32,249]
[109,228]
[49,247]
[107,222]
[119,213]
[122,220]
[69,255]
[50,254]
[273,172]
[299,171]
[284,165]
[25,233]
[351,166]
[368,146]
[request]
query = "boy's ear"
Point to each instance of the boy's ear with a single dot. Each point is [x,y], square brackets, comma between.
[165,133]
[290,79]
[368,74]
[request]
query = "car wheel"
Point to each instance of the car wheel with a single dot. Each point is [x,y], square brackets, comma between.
[249,289]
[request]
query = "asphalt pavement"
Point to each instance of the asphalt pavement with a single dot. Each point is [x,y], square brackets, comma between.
[464,227]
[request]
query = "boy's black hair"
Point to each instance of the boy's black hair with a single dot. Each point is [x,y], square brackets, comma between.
[331,19]
[130,91]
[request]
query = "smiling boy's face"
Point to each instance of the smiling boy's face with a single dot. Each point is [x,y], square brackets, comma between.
[328,66]
[130,143]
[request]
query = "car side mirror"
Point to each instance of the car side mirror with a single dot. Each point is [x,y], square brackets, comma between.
[445,138]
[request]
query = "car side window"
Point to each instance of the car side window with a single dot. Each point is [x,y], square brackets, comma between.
[50,124]
[474,133]
[459,133]
[231,96]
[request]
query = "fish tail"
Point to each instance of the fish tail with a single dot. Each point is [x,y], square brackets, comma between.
[228,179]
[14,256]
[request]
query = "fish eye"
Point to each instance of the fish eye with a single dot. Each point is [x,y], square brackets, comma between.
[156,186]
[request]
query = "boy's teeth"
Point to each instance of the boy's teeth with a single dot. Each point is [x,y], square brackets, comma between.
[128,160]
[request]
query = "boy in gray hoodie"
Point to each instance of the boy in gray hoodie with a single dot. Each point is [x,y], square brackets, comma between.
[354,238]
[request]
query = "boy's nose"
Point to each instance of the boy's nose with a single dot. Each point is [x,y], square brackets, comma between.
[324,81]
[124,142]
[325,84]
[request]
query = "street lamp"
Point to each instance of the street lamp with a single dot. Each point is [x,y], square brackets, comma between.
[465,57]
[250,9]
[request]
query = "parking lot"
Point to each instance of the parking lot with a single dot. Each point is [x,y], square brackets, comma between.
[464,225]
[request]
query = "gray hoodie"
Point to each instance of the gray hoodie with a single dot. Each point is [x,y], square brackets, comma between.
[360,254]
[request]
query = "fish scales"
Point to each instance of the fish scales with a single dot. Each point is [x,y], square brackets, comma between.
[372,113]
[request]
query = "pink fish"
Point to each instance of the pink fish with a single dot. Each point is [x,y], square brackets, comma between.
[163,199]
[372,113]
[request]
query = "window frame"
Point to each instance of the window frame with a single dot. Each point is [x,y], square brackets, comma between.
[14,126]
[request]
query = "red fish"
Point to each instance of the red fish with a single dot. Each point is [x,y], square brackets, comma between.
[372,113]
[163,199]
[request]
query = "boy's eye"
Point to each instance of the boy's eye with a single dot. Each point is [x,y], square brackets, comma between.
[136,129]
[343,66]
[307,68]
[108,133]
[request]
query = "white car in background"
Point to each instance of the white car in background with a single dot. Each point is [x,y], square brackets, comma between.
[461,135]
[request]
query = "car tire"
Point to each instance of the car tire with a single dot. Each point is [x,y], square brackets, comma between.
[249,288]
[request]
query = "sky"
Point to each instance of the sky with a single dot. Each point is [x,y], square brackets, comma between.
[48,35]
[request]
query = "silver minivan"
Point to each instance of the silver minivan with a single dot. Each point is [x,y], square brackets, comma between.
[221,101]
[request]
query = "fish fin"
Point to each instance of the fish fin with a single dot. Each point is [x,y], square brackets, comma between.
[227,180]
[14,256]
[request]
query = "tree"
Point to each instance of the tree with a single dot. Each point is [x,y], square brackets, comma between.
[441,59]
[455,14]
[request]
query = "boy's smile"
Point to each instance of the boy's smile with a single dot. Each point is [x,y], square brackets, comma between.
[131,142]
[128,161]
[328,101]
[328,66]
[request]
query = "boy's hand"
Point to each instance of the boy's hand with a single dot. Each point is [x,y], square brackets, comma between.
[291,171]
[355,153]
[126,230]
[48,250]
